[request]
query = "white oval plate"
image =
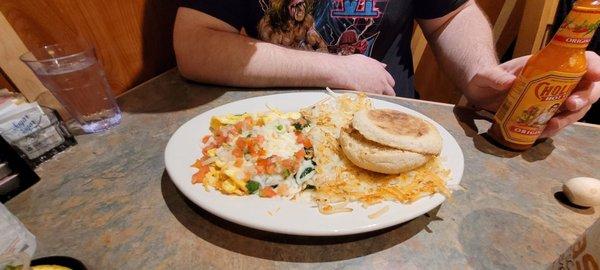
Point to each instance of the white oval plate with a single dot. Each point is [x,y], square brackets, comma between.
[280,215]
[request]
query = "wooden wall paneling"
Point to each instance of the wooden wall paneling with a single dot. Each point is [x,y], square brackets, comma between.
[432,83]
[533,31]
[502,19]
[11,47]
[511,29]
[417,45]
[5,82]
[132,38]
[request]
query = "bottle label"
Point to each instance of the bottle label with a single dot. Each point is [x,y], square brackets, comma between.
[531,103]
[578,28]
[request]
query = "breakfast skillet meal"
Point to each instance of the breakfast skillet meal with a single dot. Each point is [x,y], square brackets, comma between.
[339,150]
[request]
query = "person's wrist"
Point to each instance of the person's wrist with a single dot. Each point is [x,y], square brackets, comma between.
[334,71]
[470,85]
[482,65]
[472,73]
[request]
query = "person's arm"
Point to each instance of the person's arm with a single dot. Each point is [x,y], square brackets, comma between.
[463,45]
[209,50]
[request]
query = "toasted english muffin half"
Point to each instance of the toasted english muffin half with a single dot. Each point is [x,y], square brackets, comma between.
[398,130]
[376,157]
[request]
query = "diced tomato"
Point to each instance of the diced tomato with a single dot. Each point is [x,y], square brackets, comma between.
[251,143]
[239,126]
[237,152]
[199,176]
[198,164]
[260,169]
[196,178]
[271,169]
[220,139]
[307,143]
[253,150]
[256,141]
[299,137]
[248,122]
[205,138]
[267,192]
[238,162]
[297,166]
[263,162]
[240,143]
[261,165]
[288,164]
[299,155]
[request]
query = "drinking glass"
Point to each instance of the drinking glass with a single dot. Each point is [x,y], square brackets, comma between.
[73,74]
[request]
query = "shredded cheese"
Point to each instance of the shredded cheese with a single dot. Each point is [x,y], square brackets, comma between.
[379,212]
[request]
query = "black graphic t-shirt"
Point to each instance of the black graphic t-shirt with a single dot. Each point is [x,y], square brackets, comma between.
[381,29]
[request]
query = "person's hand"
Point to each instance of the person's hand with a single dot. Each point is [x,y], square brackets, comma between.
[579,103]
[489,87]
[362,73]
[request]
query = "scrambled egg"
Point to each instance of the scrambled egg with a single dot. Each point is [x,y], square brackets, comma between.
[218,121]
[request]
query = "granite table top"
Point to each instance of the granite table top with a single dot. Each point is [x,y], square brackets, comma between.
[109,202]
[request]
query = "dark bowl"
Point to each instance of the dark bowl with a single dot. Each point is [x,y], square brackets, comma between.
[60,260]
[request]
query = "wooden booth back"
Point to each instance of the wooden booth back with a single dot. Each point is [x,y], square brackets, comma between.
[132,37]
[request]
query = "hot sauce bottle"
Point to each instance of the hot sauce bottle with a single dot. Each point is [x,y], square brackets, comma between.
[546,80]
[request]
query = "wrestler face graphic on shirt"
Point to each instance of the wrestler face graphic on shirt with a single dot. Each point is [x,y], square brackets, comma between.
[289,23]
[297,10]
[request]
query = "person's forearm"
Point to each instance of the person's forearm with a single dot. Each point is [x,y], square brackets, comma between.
[235,60]
[464,45]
